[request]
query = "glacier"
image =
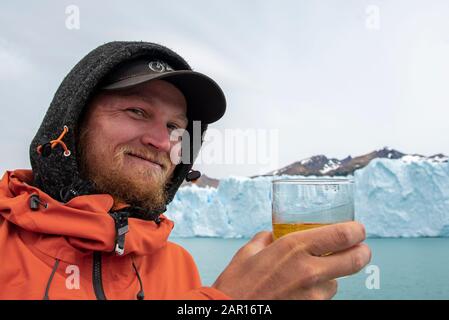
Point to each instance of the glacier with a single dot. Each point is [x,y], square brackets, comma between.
[392,198]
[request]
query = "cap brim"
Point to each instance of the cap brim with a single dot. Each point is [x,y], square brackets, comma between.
[206,101]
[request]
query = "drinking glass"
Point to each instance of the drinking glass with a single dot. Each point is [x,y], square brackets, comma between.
[302,204]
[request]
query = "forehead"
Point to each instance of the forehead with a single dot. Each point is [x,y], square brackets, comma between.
[156,92]
[156,89]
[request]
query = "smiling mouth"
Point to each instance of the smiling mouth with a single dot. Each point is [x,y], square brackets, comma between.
[145,159]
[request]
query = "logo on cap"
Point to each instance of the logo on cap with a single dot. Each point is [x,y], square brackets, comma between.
[159,66]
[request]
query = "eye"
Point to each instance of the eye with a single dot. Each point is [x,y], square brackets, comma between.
[172,126]
[136,111]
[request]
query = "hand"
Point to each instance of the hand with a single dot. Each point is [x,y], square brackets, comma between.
[296,265]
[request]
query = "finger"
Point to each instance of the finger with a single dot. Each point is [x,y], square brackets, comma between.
[326,290]
[321,291]
[259,242]
[332,238]
[344,263]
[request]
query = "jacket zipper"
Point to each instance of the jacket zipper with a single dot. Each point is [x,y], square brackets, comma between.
[96,277]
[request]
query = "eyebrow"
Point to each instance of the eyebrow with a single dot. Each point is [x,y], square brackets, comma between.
[181,116]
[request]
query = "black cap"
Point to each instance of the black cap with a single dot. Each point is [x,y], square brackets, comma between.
[205,99]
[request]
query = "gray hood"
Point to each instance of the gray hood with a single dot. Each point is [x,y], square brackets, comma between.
[58,175]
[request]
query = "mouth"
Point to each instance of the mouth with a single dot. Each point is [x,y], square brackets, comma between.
[147,160]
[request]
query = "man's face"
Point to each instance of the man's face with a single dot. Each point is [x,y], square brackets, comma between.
[125,144]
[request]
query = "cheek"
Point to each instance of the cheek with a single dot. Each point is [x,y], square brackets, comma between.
[94,151]
[114,133]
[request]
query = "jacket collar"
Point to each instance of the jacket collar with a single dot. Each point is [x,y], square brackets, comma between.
[78,227]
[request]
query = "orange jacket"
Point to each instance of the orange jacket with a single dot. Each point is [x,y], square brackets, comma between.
[65,251]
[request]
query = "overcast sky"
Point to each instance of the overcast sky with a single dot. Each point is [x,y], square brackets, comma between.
[312,77]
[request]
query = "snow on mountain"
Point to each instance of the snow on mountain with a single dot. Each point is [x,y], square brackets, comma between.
[305,161]
[330,165]
[419,158]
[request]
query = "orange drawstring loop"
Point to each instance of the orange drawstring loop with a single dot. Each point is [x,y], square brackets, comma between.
[58,141]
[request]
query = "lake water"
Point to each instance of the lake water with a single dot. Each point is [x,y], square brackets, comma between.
[408,268]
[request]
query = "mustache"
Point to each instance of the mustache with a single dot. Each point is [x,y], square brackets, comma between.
[162,159]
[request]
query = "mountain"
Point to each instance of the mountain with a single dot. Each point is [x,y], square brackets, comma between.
[320,165]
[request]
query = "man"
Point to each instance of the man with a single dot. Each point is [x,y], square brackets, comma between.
[87,221]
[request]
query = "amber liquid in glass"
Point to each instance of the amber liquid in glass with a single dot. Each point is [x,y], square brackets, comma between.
[281,229]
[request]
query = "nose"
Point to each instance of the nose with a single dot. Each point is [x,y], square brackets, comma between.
[157,136]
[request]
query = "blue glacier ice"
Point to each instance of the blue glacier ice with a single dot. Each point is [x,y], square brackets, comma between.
[393,198]
[397,199]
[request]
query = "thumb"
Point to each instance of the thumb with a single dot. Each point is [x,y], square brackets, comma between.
[259,242]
